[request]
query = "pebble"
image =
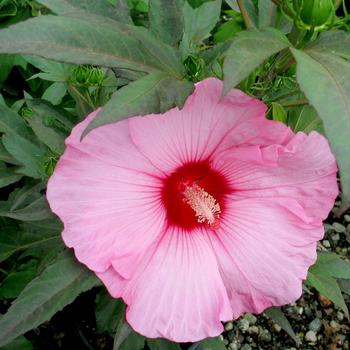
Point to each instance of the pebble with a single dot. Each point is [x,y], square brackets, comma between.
[277,328]
[334,325]
[315,325]
[310,337]
[336,237]
[340,316]
[243,325]
[326,243]
[347,217]
[246,347]
[233,345]
[253,330]
[265,336]
[250,318]
[338,227]
[228,326]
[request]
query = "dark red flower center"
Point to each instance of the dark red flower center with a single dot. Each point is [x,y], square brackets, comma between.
[194,194]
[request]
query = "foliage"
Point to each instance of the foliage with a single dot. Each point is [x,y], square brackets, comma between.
[59,60]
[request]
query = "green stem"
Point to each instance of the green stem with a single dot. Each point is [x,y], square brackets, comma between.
[3,271]
[294,103]
[247,20]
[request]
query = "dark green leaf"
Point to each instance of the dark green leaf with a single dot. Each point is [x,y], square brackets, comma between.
[5,156]
[109,312]
[55,93]
[8,176]
[277,315]
[133,341]
[344,285]
[325,81]
[210,344]
[57,286]
[250,8]
[123,331]
[15,282]
[19,343]
[267,13]
[166,20]
[162,344]
[332,264]
[154,93]
[7,62]
[88,39]
[249,49]
[327,286]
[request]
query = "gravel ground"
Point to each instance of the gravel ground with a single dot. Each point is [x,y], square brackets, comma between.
[317,322]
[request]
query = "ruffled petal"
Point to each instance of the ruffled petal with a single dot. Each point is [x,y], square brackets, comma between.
[207,124]
[264,249]
[178,293]
[304,170]
[108,197]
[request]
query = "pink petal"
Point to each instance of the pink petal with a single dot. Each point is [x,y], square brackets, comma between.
[304,170]
[206,124]
[108,197]
[178,293]
[264,250]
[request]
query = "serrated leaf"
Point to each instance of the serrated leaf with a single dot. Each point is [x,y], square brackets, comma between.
[325,80]
[166,20]
[57,286]
[327,286]
[13,240]
[8,176]
[277,315]
[248,50]
[154,93]
[88,39]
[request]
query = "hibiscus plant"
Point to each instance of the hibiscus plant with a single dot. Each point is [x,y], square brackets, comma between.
[174,161]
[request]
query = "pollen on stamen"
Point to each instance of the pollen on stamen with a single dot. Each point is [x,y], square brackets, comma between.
[204,205]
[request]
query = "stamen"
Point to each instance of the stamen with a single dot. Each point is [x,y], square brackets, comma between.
[204,205]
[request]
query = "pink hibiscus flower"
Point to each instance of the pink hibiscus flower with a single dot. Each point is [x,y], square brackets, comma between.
[196,215]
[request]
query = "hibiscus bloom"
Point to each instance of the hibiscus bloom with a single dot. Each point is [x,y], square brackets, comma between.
[197,215]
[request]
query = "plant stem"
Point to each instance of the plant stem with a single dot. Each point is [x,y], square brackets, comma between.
[294,103]
[247,21]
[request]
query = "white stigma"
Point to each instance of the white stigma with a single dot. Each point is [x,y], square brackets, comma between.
[204,205]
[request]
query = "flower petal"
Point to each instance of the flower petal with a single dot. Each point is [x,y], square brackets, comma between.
[178,293]
[264,251]
[108,197]
[206,124]
[303,170]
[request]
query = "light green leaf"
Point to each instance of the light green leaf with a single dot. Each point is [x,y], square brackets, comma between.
[57,286]
[249,49]
[278,112]
[166,20]
[336,42]
[8,176]
[55,93]
[327,286]
[162,344]
[198,24]
[19,343]
[304,119]
[267,13]
[89,39]
[325,80]
[277,315]
[154,93]
[333,264]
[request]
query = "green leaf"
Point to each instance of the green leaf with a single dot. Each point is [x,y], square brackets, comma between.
[55,93]
[7,62]
[304,119]
[336,42]
[89,39]
[267,13]
[8,176]
[344,285]
[19,343]
[332,264]
[98,7]
[166,20]
[123,331]
[52,138]
[327,286]
[278,112]
[133,341]
[13,240]
[249,49]
[198,24]
[154,93]
[14,283]
[57,286]
[325,80]
[5,156]
[250,8]
[277,315]
[162,344]
[109,312]
[211,344]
